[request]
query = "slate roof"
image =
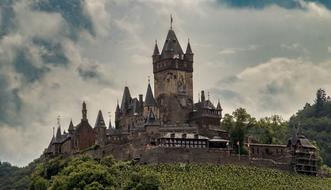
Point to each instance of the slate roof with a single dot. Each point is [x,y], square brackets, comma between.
[149,99]
[126,99]
[171,46]
[188,49]
[100,122]
[71,126]
[156,50]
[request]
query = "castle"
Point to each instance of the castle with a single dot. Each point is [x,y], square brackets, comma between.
[168,126]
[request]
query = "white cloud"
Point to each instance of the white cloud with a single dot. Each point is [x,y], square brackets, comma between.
[100,15]
[279,86]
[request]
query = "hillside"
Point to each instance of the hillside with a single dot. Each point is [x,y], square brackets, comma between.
[314,120]
[90,173]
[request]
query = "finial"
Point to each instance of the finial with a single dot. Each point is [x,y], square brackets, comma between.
[53,131]
[156,42]
[149,79]
[199,97]
[188,40]
[171,20]
[58,121]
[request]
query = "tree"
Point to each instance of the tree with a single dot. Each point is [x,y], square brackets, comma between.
[320,101]
[238,125]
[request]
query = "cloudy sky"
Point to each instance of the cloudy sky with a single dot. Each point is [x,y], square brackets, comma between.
[267,56]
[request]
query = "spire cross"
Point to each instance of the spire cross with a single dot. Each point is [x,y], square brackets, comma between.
[171,20]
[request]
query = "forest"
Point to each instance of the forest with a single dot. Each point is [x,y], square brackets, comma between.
[313,121]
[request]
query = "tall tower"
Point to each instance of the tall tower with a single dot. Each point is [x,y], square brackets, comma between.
[173,80]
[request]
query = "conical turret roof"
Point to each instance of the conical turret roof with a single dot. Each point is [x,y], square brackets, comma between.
[188,49]
[71,126]
[219,107]
[171,46]
[149,100]
[100,122]
[117,108]
[156,49]
[126,99]
[58,133]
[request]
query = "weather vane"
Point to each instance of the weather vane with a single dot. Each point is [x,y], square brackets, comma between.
[171,20]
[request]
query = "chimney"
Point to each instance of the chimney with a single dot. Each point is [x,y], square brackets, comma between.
[140,98]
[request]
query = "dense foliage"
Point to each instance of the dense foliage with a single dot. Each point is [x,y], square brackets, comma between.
[241,125]
[12,177]
[91,173]
[314,120]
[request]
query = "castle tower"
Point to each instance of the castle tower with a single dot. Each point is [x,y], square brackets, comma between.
[150,103]
[173,80]
[100,130]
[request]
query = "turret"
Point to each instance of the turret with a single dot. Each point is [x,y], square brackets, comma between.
[188,54]
[156,53]
[126,100]
[58,133]
[117,116]
[71,128]
[150,103]
[100,129]
[219,108]
[100,122]
[84,111]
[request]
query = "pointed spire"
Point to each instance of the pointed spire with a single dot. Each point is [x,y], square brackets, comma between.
[219,107]
[171,46]
[58,133]
[84,111]
[156,49]
[100,122]
[149,100]
[126,99]
[188,48]
[71,127]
